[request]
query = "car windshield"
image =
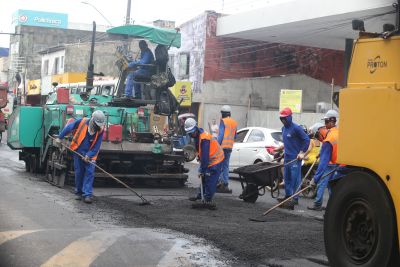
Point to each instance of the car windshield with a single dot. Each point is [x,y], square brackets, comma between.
[277,136]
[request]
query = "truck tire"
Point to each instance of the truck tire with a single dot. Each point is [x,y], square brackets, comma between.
[359,223]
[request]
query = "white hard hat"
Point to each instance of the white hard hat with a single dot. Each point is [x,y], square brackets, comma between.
[331,114]
[190,125]
[99,118]
[315,127]
[226,108]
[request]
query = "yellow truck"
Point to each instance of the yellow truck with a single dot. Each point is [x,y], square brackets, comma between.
[363,213]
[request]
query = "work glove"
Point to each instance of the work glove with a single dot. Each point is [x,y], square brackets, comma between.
[86,159]
[300,156]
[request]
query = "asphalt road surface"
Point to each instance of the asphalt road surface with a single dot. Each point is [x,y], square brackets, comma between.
[42,225]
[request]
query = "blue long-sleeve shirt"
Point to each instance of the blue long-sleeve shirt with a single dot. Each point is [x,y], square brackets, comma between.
[294,140]
[84,147]
[221,132]
[324,158]
[146,57]
[205,153]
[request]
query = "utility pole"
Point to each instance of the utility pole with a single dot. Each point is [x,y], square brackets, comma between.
[332,91]
[90,71]
[128,13]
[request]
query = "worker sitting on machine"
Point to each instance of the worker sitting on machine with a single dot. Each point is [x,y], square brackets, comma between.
[146,57]
[86,142]
[211,156]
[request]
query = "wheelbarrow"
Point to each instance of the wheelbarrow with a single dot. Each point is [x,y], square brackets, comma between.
[254,178]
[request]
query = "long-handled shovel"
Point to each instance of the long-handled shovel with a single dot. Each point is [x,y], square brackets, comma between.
[144,201]
[289,198]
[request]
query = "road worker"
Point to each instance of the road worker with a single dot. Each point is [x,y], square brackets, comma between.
[211,157]
[328,135]
[295,144]
[146,57]
[86,141]
[226,138]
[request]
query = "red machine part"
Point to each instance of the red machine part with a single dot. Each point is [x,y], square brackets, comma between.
[114,133]
[63,96]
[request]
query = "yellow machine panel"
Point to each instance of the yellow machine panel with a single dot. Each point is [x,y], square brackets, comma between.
[369,112]
[377,64]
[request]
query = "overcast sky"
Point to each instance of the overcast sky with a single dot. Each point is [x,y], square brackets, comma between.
[115,10]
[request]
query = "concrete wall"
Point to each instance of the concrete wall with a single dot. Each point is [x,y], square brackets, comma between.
[264,92]
[35,39]
[259,118]
[77,56]
[270,119]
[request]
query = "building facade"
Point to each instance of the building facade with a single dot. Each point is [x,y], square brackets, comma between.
[249,74]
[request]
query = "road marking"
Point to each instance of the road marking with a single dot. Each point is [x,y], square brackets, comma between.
[10,235]
[84,251]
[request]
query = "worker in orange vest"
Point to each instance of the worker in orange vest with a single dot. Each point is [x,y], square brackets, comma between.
[328,135]
[211,156]
[226,138]
[86,141]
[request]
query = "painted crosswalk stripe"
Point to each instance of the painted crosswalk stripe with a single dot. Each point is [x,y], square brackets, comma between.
[10,235]
[83,252]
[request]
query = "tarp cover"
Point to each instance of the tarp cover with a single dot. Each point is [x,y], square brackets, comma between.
[153,34]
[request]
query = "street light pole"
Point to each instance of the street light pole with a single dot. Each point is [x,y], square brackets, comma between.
[128,13]
[87,3]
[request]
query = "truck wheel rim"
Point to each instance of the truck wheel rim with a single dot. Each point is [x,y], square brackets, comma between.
[360,231]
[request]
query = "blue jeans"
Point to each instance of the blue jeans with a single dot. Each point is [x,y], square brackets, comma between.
[225,167]
[210,182]
[322,184]
[292,177]
[131,84]
[84,176]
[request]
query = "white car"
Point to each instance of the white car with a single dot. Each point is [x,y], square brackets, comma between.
[253,145]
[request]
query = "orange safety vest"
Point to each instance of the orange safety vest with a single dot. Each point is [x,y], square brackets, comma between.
[216,153]
[80,135]
[332,137]
[229,134]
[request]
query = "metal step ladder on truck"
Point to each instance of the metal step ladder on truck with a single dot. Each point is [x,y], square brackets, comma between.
[362,218]
[134,147]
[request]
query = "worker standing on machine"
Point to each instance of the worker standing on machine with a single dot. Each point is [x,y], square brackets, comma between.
[226,138]
[86,141]
[211,157]
[328,155]
[296,143]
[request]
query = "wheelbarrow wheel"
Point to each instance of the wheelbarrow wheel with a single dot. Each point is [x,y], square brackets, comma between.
[250,193]
[275,188]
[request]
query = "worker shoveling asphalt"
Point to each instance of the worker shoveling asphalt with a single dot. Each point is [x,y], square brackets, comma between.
[261,219]
[144,201]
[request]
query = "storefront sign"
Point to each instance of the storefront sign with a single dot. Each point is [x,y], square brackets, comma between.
[40,19]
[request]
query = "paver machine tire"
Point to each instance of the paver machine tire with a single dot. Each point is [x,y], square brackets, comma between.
[359,223]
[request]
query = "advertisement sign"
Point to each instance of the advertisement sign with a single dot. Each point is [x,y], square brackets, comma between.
[40,19]
[291,99]
[33,87]
[183,90]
